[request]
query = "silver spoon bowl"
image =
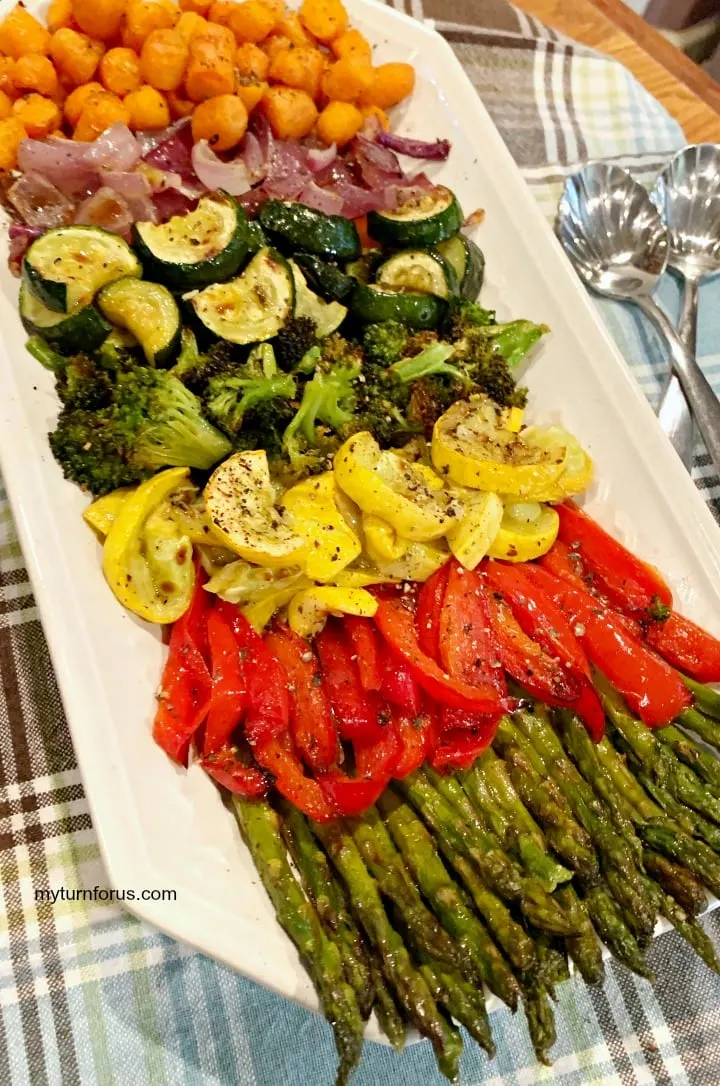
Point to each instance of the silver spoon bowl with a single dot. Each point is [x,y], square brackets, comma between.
[616,239]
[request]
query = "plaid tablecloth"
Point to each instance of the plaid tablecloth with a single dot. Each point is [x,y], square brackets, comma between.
[90,995]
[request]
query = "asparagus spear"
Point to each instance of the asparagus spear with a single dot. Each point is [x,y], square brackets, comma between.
[387,867]
[491,793]
[691,853]
[461,1000]
[659,762]
[584,948]
[686,927]
[592,813]
[452,908]
[705,765]
[328,897]
[543,798]
[612,929]
[387,1012]
[707,700]
[553,964]
[541,1024]
[707,727]
[260,827]
[494,866]
[676,881]
[690,821]
[407,983]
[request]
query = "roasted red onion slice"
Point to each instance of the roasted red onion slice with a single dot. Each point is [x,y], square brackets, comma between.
[215,174]
[62,162]
[358,201]
[320,157]
[115,149]
[325,200]
[288,173]
[105,208]
[252,155]
[39,203]
[20,238]
[135,190]
[170,202]
[404,145]
[174,153]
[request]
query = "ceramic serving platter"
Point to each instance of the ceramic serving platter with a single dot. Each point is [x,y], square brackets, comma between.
[162,827]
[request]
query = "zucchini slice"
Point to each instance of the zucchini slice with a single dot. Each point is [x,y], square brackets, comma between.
[302,228]
[256,237]
[253,307]
[327,316]
[65,268]
[83,330]
[421,270]
[467,261]
[325,278]
[374,304]
[426,219]
[204,246]
[149,312]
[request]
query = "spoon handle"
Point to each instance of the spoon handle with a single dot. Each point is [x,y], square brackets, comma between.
[674,414]
[703,402]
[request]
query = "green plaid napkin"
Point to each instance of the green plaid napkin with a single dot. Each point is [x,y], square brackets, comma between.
[90,995]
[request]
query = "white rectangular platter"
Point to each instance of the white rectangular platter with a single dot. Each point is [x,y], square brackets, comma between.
[159,826]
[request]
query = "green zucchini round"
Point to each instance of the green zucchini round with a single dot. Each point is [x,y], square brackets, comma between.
[326,316]
[428,218]
[66,267]
[83,330]
[205,246]
[373,305]
[325,278]
[251,308]
[421,270]
[303,228]
[468,262]
[149,312]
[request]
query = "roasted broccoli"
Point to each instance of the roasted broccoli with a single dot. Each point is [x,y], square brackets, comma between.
[296,337]
[385,343]
[196,370]
[328,402]
[151,422]
[82,383]
[464,314]
[232,399]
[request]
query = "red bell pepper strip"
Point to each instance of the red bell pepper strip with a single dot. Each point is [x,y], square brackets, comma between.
[541,675]
[311,722]
[630,583]
[650,686]
[398,685]
[356,710]
[366,648]
[686,646]
[430,601]
[397,625]
[228,699]
[417,740]
[186,684]
[467,642]
[277,756]
[350,795]
[268,699]
[459,749]
[377,760]
[560,561]
[227,769]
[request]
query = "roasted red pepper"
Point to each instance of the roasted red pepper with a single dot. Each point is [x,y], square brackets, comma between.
[650,686]
[459,749]
[228,699]
[467,642]
[311,721]
[366,648]
[268,700]
[227,769]
[429,608]
[186,684]
[277,756]
[540,674]
[377,760]
[350,795]
[542,620]
[398,685]
[356,710]
[397,625]
[417,736]
[687,646]
[629,583]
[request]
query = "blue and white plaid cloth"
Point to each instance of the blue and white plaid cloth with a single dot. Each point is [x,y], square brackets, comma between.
[90,995]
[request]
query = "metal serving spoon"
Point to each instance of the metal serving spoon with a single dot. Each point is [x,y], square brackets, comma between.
[619,245]
[687,195]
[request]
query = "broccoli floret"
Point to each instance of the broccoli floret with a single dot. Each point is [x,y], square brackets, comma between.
[328,402]
[294,340]
[385,343]
[431,361]
[196,370]
[83,384]
[488,355]
[90,448]
[464,314]
[232,398]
